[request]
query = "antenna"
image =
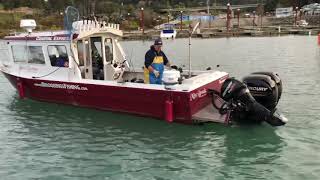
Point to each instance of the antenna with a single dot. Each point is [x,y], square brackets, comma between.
[71,15]
[190,34]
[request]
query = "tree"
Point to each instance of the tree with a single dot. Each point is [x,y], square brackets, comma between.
[271,5]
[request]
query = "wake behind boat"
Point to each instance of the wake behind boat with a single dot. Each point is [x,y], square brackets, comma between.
[86,66]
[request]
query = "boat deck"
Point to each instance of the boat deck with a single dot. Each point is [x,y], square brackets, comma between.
[210,114]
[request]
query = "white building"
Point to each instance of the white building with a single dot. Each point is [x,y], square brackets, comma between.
[284,12]
[312,9]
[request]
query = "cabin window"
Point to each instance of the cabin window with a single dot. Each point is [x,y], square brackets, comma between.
[96,54]
[35,55]
[58,56]
[30,54]
[96,51]
[80,53]
[108,49]
[4,53]
[19,53]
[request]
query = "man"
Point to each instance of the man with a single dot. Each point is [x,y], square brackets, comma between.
[62,62]
[155,59]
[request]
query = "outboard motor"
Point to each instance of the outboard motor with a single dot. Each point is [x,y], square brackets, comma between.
[265,87]
[244,106]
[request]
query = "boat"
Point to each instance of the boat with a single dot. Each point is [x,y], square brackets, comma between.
[168,32]
[87,67]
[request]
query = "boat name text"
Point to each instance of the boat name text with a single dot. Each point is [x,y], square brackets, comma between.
[61,86]
[199,94]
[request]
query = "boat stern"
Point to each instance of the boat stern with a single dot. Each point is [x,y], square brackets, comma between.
[195,96]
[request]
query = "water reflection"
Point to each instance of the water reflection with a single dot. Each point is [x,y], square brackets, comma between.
[251,152]
[119,146]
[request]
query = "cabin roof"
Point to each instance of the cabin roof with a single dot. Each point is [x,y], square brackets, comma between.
[41,36]
[80,28]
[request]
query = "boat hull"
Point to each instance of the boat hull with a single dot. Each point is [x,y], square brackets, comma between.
[139,101]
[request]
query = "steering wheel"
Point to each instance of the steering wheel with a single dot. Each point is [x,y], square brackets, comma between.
[116,76]
[121,66]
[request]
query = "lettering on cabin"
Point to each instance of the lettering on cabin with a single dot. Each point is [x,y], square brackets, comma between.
[61,38]
[61,86]
[44,38]
[199,94]
[52,38]
[29,69]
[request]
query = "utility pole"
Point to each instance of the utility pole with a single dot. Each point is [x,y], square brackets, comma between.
[121,11]
[142,21]
[254,19]
[296,17]
[228,16]
[215,5]
[84,8]
[89,7]
[181,20]
[208,12]
[238,14]
[208,6]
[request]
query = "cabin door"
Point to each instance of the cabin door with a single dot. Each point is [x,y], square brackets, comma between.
[97,58]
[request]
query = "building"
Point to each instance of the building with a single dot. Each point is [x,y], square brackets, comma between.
[284,12]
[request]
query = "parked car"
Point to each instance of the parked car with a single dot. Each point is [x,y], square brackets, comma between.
[302,23]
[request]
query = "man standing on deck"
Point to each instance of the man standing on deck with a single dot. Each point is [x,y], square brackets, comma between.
[155,59]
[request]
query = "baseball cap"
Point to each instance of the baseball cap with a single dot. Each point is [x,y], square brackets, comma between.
[158,41]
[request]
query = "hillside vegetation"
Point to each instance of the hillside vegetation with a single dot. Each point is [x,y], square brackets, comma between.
[49,13]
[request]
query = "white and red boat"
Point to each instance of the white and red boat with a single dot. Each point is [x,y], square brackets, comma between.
[88,68]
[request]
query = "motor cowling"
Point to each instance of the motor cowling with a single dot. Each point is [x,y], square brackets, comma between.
[244,106]
[265,87]
[231,88]
[275,77]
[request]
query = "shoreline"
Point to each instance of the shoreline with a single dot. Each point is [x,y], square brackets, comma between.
[205,33]
[270,31]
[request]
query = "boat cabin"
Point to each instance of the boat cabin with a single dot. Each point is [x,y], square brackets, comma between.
[87,67]
[92,52]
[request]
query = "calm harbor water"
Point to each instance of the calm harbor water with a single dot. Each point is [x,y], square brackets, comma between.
[49,141]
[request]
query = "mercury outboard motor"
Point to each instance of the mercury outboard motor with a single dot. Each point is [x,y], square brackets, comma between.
[265,87]
[243,106]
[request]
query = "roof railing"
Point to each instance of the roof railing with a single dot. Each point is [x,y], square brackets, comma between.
[90,25]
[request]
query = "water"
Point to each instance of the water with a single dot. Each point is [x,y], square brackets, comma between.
[48,141]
